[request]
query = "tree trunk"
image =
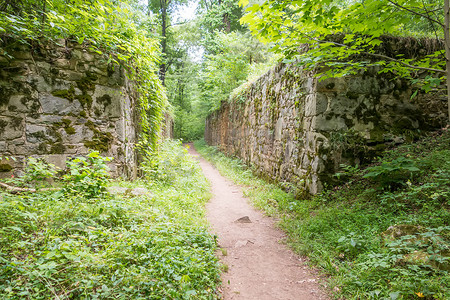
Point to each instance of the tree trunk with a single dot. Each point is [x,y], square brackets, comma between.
[447,51]
[162,67]
[44,8]
[226,23]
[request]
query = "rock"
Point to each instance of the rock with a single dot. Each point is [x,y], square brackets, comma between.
[240,244]
[140,191]
[59,106]
[440,261]
[117,190]
[245,219]
[396,231]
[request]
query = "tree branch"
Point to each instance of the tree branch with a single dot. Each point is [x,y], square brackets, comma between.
[385,57]
[17,190]
[416,13]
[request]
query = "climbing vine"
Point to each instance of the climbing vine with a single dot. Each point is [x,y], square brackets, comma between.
[118,30]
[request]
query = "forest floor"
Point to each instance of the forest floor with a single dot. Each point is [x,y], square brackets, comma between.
[257,263]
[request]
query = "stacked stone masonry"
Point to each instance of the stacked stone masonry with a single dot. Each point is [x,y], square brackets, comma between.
[61,101]
[297,130]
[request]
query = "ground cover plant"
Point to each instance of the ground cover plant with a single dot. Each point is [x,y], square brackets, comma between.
[92,244]
[383,234]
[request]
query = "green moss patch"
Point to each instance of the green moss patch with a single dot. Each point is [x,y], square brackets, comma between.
[101,140]
[57,148]
[105,100]
[5,168]
[66,94]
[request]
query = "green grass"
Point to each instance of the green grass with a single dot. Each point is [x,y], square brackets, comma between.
[341,229]
[59,246]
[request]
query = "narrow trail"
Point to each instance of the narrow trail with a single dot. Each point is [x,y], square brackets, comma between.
[260,266]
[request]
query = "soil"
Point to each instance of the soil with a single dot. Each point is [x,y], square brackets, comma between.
[258,265]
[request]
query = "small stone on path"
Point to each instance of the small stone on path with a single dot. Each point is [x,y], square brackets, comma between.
[245,219]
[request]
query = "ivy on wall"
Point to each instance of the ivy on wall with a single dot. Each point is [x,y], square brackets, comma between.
[118,30]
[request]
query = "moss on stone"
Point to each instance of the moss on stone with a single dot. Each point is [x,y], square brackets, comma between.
[87,83]
[57,148]
[3,125]
[42,148]
[66,122]
[83,114]
[101,140]
[70,130]
[5,168]
[85,100]
[105,100]
[38,135]
[6,93]
[66,94]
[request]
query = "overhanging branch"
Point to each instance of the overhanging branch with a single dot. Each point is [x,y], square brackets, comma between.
[416,13]
[382,56]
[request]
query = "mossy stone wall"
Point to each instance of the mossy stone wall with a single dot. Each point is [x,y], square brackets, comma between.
[63,100]
[297,130]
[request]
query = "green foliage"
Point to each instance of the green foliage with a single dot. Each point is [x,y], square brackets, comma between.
[220,15]
[87,176]
[229,67]
[37,172]
[154,246]
[392,173]
[170,166]
[346,37]
[351,244]
[343,231]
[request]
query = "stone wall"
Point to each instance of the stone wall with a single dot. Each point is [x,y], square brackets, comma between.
[298,130]
[60,101]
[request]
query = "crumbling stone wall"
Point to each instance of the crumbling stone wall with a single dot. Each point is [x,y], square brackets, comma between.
[297,130]
[60,101]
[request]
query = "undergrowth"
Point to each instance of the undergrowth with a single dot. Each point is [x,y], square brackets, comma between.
[383,234]
[71,244]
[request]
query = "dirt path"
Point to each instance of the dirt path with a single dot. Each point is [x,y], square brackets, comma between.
[260,266]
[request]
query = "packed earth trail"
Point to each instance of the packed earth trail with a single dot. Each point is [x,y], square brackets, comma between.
[258,264]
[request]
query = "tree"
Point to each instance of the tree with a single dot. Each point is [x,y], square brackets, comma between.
[221,15]
[164,8]
[336,30]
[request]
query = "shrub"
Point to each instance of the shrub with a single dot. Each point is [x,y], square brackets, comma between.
[392,174]
[87,176]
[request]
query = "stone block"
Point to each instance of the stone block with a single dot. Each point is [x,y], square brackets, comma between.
[10,128]
[108,101]
[16,103]
[59,160]
[35,133]
[59,106]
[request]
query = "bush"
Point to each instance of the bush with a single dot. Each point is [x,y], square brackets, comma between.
[392,174]
[87,176]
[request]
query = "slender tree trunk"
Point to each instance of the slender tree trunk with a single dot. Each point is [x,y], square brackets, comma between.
[162,67]
[447,50]
[44,8]
[226,23]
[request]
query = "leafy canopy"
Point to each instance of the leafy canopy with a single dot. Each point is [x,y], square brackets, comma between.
[336,31]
